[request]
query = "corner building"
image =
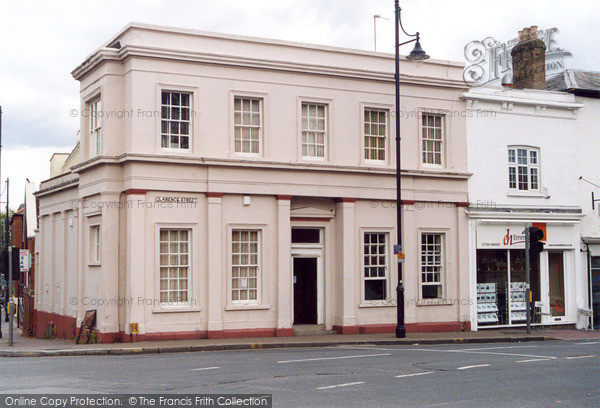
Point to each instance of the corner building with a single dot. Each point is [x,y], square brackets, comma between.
[227,186]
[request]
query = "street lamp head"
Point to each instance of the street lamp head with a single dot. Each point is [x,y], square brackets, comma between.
[417,55]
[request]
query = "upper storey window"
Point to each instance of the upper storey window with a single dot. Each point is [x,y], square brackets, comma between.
[314,130]
[247,113]
[95,127]
[432,139]
[375,134]
[175,120]
[523,168]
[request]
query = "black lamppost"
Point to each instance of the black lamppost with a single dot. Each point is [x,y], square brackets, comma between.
[417,55]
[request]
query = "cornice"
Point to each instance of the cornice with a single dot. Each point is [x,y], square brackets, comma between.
[130,51]
[265,165]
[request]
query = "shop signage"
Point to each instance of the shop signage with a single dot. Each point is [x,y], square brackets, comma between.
[505,235]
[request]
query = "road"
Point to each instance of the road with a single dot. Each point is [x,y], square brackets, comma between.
[541,374]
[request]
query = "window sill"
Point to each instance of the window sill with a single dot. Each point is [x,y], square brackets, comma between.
[535,194]
[434,302]
[247,307]
[94,264]
[377,303]
[176,310]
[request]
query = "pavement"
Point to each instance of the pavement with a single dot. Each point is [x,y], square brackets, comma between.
[30,347]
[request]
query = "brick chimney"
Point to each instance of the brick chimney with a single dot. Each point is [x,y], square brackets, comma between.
[529,60]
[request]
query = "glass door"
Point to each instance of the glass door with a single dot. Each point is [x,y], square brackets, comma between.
[556,280]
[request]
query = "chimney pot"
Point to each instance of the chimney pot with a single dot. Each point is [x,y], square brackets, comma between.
[534,32]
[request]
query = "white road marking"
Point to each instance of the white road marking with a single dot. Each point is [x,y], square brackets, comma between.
[488,352]
[534,359]
[340,385]
[205,368]
[493,348]
[334,358]
[573,358]
[589,342]
[415,374]
[473,366]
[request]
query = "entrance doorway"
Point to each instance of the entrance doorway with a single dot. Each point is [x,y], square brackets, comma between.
[307,275]
[556,280]
[305,290]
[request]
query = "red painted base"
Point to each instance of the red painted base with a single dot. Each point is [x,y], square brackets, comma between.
[410,328]
[63,327]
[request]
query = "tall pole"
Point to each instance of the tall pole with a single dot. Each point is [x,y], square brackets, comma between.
[527,279]
[7,241]
[400,328]
[375,32]
[10,284]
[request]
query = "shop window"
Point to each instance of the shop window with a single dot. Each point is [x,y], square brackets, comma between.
[375,265]
[432,265]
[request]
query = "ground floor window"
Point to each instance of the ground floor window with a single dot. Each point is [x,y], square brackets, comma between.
[375,265]
[501,286]
[174,265]
[595,281]
[245,265]
[432,265]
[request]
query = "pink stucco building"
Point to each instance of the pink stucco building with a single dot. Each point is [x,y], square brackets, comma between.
[231,186]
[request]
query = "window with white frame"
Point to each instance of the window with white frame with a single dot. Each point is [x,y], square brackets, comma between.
[523,168]
[245,265]
[375,128]
[95,126]
[175,120]
[314,130]
[95,244]
[174,265]
[432,138]
[432,265]
[247,114]
[375,265]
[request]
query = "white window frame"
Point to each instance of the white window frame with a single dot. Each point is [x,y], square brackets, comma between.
[194,118]
[180,120]
[387,233]
[443,265]
[386,150]
[514,166]
[94,125]
[95,243]
[327,103]
[190,266]
[263,104]
[444,125]
[247,304]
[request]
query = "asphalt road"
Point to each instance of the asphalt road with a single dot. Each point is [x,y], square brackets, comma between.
[544,374]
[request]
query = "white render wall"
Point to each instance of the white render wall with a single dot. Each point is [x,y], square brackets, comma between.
[500,117]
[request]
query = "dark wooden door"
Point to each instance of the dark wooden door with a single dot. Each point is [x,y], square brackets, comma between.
[305,290]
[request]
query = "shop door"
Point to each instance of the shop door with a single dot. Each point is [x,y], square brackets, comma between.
[305,290]
[596,290]
[556,280]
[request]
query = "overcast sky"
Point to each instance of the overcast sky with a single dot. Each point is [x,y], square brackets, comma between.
[41,42]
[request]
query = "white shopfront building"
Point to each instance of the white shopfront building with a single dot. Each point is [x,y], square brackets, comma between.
[520,146]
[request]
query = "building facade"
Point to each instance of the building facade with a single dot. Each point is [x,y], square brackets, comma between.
[585,86]
[231,186]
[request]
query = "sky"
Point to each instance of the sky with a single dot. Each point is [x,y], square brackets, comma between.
[41,42]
